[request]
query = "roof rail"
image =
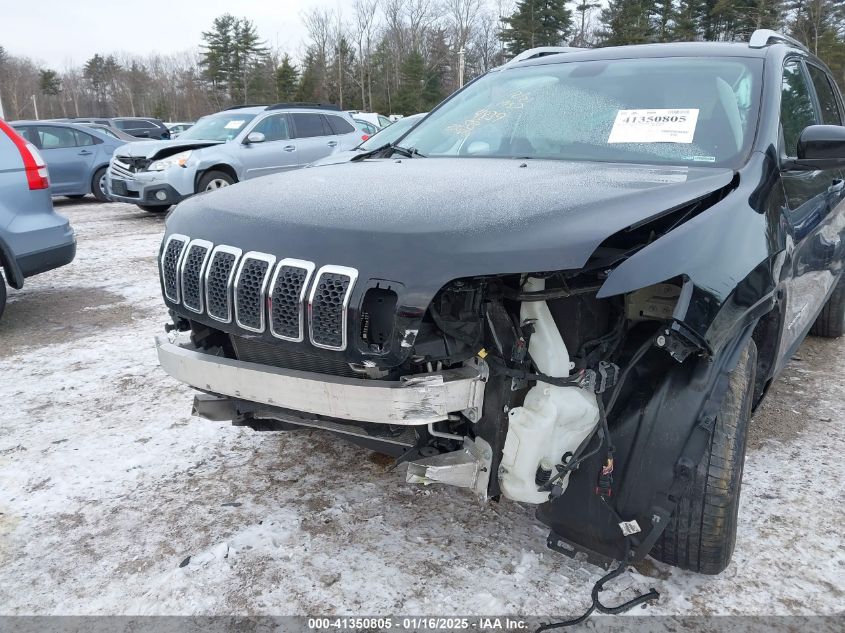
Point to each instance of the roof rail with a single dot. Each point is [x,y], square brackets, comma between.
[543,51]
[316,106]
[246,105]
[761,38]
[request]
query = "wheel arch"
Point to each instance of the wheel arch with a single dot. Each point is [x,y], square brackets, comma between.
[649,435]
[224,167]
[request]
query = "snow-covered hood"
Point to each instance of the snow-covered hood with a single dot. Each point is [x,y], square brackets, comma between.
[161,149]
[422,222]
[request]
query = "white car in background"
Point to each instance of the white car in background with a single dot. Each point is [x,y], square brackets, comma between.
[379,120]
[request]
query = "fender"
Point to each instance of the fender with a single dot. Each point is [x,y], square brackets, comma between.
[721,294]
[649,436]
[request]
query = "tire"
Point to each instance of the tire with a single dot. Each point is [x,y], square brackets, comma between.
[154,208]
[2,295]
[701,533]
[212,180]
[98,185]
[831,320]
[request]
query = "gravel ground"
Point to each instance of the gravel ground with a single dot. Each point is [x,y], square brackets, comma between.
[108,486]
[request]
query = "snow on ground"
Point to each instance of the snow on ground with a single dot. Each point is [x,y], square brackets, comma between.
[113,500]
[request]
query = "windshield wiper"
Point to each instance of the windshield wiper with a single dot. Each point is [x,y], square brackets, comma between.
[394,149]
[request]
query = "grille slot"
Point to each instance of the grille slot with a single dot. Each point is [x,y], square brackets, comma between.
[193,266]
[218,282]
[283,356]
[171,258]
[250,290]
[287,296]
[327,306]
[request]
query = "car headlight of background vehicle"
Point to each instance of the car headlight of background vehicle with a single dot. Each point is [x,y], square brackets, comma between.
[179,159]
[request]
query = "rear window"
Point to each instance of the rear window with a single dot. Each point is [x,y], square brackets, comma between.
[339,125]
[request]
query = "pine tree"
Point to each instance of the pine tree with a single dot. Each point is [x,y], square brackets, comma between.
[537,23]
[287,80]
[49,82]
[628,22]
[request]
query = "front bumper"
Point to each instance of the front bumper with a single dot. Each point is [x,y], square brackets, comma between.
[419,399]
[167,187]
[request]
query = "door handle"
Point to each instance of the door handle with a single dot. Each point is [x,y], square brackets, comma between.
[332,143]
[289,148]
[85,152]
[837,186]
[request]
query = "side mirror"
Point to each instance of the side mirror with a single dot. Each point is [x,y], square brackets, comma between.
[255,137]
[820,147]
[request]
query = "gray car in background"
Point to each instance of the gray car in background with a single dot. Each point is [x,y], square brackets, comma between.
[382,138]
[78,156]
[33,237]
[224,148]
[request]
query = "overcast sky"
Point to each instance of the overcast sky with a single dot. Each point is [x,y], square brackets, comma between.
[58,32]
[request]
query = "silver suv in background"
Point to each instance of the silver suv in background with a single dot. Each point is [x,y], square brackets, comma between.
[221,149]
[33,237]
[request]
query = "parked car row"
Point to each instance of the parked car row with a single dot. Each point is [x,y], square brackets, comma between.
[240,143]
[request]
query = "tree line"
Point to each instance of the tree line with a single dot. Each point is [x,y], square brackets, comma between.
[390,56]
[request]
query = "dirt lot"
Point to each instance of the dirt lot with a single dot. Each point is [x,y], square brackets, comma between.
[108,486]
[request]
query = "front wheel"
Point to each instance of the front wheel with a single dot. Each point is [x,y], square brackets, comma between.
[154,208]
[98,185]
[831,320]
[214,180]
[701,533]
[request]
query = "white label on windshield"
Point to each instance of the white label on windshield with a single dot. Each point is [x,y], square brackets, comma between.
[654,126]
[234,125]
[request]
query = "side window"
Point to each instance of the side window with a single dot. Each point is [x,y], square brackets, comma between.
[827,97]
[56,137]
[307,124]
[339,125]
[796,106]
[83,139]
[274,128]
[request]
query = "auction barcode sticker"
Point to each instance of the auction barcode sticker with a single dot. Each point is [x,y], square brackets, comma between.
[654,126]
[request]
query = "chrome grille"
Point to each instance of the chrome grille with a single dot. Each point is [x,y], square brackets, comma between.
[171,257]
[218,282]
[192,268]
[122,170]
[223,282]
[287,295]
[250,290]
[327,306]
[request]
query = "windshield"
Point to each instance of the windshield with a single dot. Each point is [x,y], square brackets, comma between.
[390,133]
[218,127]
[657,110]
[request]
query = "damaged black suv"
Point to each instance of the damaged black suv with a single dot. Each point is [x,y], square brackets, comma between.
[569,285]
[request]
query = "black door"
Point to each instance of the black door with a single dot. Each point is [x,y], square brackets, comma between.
[813,203]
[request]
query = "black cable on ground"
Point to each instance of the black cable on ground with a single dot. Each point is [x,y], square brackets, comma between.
[597,604]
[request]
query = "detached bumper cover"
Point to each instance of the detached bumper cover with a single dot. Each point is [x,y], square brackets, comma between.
[421,399]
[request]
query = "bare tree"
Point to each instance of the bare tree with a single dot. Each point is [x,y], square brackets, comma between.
[365,23]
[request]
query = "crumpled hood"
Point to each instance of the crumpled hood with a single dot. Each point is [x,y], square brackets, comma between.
[423,222]
[161,149]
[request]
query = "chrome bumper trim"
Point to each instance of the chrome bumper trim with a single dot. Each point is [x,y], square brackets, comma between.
[419,399]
